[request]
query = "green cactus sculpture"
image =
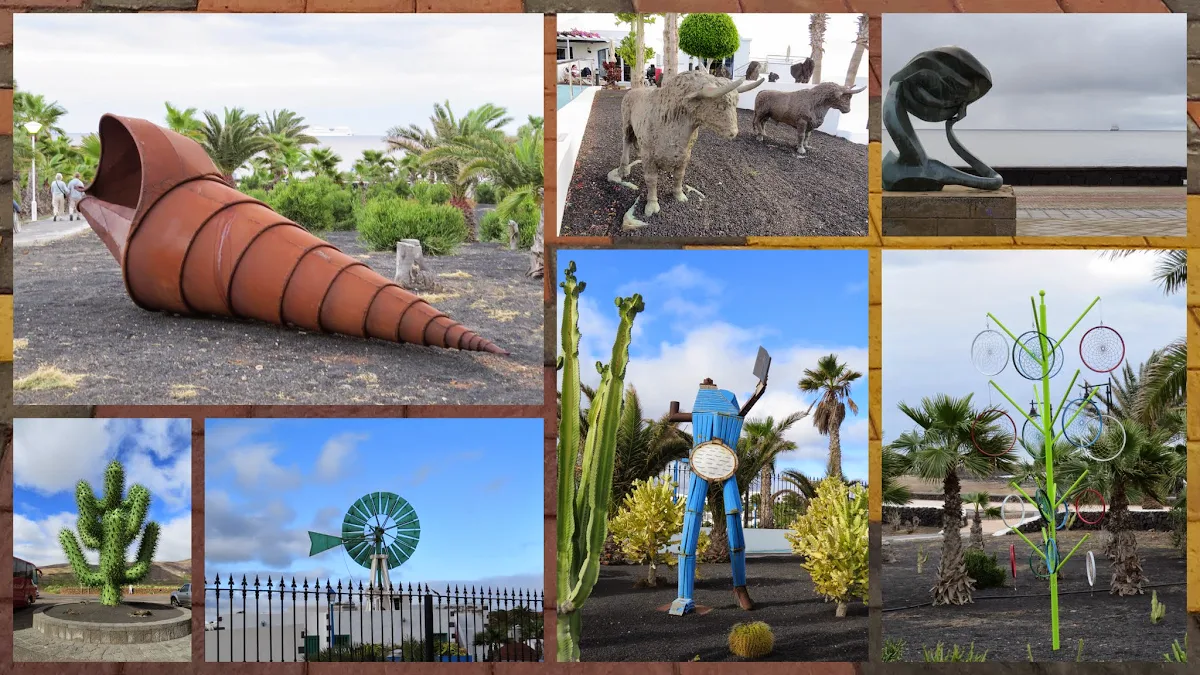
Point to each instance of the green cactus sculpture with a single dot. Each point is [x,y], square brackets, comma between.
[583,505]
[751,640]
[109,526]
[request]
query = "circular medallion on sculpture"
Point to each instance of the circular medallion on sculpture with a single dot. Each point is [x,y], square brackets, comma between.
[1102,349]
[989,352]
[713,460]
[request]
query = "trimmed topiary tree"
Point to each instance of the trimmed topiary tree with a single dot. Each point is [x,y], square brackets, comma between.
[110,526]
[709,36]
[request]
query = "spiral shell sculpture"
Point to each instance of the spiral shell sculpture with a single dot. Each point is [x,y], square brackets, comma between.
[936,86]
[189,243]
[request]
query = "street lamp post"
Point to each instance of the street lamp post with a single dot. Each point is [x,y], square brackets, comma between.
[33,127]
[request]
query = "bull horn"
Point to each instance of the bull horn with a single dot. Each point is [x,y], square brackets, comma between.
[747,87]
[855,91]
[717,91]
[189,243]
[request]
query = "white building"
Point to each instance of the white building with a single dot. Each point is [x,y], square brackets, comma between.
[596,47]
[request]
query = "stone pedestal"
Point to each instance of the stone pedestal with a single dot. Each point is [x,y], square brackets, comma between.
[954,211]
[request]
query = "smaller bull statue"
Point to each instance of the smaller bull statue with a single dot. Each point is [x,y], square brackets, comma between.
[660,125]
[772,77]
[803,71]
[803,110]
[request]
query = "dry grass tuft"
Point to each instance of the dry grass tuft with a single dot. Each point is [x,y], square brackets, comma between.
[46,378]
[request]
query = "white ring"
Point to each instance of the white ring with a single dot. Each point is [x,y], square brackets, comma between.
[1110,422]
[1004,520]
[1091,568]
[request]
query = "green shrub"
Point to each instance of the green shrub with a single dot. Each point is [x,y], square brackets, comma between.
[317,204]
[257,193]
[386,220]
[494,225]
[984,569]
[485,193]
[955,654]
[893,649]
[397,188]
[490,227]
[430,193]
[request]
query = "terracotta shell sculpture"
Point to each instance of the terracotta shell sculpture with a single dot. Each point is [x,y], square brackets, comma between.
[936,86]
[189,243]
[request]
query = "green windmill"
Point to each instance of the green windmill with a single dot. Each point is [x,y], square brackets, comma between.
[380,532]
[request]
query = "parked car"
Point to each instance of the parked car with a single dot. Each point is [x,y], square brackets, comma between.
[182,597]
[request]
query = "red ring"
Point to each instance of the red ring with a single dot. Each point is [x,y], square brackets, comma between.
[1103,507]
[1084,337]
[1010,421]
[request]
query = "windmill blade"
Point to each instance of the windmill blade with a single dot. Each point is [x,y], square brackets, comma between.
[322,542]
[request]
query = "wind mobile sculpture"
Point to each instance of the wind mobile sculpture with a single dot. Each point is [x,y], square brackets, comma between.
[936,86]
[716,426]
[1038,357]
[189,243]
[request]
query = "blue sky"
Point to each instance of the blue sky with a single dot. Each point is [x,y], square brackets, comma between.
[51,455]
[368,71]
[476,486]
[708,311]
[929,322]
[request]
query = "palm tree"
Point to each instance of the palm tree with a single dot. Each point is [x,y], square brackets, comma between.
[860,47]
[324,162]
[816,38]
[831,381]
[286,124]
[29,107]
[798,489]
[374,166]
[644,447]
[982,501]
[232,140]
[638,23]
[670,43]
[184,121]
[939,449]
[766,433]
[894,465]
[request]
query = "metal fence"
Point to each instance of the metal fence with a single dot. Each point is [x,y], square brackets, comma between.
[788,503]
[284,621]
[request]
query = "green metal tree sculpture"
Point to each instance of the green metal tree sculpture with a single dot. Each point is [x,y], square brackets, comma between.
[110,525]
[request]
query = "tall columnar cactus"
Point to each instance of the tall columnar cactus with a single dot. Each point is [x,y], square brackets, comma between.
[109,526]
[583,502]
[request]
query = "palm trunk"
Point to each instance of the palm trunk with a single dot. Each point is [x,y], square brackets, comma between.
[953,586]
[640,57]
[1127,576]
[468,211]
[766,519]
[835,446]
[816,28]
[977,530]
[860,46]
[718,547]
[671,44]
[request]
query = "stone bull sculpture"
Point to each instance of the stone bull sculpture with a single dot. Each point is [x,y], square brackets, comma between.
[802,110]
[660,125]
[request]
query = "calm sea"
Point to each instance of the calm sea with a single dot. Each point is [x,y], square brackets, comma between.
[350,148]
[1014,148]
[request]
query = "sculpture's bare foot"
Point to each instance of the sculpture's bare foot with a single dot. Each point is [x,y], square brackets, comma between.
[680,196]
[689,188]
[629,222]
[651,208]
[801,154]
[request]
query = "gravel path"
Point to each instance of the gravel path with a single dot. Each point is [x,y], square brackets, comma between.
[72,312]
[623,623]
[1112,628]
[752,188]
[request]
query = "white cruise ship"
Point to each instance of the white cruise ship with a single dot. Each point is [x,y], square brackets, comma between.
[330,131]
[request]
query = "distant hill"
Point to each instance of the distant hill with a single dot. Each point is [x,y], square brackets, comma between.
[178,572]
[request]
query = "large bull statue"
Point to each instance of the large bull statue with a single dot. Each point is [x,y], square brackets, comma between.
[660,125]
[803,110]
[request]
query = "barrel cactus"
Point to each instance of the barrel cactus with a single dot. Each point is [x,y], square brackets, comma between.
[109,526]
[583,501]
[752,640]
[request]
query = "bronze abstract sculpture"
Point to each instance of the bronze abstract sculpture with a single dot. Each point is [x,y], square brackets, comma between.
[936,86]
[189,243]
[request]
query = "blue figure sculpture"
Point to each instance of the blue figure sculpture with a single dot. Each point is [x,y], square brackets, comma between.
[716,426]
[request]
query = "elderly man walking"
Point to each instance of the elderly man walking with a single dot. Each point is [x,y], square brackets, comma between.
[74,194]
[58,195]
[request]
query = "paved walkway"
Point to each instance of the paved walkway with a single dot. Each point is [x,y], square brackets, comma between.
[1101,211]
[45,231]
[30,645]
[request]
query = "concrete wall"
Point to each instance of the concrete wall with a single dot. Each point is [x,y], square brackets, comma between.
[572,121]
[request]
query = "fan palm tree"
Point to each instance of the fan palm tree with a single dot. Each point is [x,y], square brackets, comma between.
[644,447]
[860,47]
[324,162]
[767,433]
[816,37]
[831,381]
[982,503]
[184,121]
[941,448]
[232,140]
[374,166]
[894,465]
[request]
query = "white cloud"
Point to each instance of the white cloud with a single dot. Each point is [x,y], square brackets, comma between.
[51,455]
[171,484]
[37,540]
[934,303]
[254,466]
[337,456]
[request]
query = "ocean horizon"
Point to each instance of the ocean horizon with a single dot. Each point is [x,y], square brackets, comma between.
[1017,148]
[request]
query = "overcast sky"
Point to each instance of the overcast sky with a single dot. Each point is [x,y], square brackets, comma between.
[772,34]
[368,72]
[1058,71]
[928,324]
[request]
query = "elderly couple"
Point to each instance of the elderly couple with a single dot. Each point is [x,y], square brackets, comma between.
[66,196]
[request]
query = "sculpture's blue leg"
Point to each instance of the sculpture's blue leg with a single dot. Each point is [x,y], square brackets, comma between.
[737,543]
[693,520]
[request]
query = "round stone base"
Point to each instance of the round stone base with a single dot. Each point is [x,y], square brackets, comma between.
[98,624]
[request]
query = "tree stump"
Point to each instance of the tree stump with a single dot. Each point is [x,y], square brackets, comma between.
[537,263]
[514,235]
[408,261]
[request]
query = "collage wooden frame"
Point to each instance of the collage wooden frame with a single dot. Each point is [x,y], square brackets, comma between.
[874,243]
